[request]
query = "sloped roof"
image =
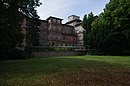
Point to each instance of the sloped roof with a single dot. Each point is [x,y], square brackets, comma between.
[54,18]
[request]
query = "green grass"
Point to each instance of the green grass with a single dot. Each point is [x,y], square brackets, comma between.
[67,71]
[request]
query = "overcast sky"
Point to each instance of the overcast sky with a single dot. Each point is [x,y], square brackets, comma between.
[64,8]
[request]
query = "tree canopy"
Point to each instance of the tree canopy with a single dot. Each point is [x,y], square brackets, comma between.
[87,25]
[110,32]
[11,13]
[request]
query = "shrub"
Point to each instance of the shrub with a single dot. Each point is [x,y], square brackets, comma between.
[14,54]
[33,49]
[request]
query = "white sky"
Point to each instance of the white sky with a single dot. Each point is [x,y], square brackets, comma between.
[64,8]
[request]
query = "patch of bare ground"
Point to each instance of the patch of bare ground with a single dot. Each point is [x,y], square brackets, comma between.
[89,77]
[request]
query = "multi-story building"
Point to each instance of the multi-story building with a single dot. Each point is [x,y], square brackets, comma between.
[53,33]
[75,21]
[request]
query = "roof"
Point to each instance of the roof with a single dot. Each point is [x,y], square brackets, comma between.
[54,18]
[67,25]
[43,20]
[73,15]
[79,24]
[73,21]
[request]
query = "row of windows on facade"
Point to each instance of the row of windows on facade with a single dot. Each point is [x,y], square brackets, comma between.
[60,29]
[55,20]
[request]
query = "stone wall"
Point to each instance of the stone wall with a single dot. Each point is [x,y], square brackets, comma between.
[54,54]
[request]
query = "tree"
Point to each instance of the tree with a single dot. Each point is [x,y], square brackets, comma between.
[10,16]
[99,33]
[111,29]
[86,24]
[32,36]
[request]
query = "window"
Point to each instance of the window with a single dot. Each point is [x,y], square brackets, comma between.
[54,20]
[72,38]
[49,36]
[53,43]
[63,44]
[77,31]
[59,29]
[53,37]
[45,27]
[67,31]
[50,28]
[58,21]
[46,37]
[58,37]
[54,28]
[64,31]
[63,37]
[58,44]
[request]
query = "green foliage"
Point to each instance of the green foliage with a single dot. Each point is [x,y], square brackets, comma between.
[10,35]
[110,32]
[86,24]
[32,36]
[14,54]
[11,14]
[31,49]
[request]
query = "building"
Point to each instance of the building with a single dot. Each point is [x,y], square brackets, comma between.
[55,34]
[75,21]
[43,33]
[29,27]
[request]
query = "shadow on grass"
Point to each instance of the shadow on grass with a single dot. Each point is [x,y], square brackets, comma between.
[36,68]
[52,65]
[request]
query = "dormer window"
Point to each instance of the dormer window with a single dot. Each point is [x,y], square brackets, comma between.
[54,20]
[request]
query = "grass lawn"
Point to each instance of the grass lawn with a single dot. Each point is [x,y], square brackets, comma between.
[67,71]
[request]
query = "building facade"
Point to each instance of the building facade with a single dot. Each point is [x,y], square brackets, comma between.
[75,21]
[55,34]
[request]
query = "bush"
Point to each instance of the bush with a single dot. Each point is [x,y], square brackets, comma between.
[38,49]
[14,54]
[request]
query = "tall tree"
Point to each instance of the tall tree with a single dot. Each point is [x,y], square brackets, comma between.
[10,16]
[32,36]
[86,24]
[112,28]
